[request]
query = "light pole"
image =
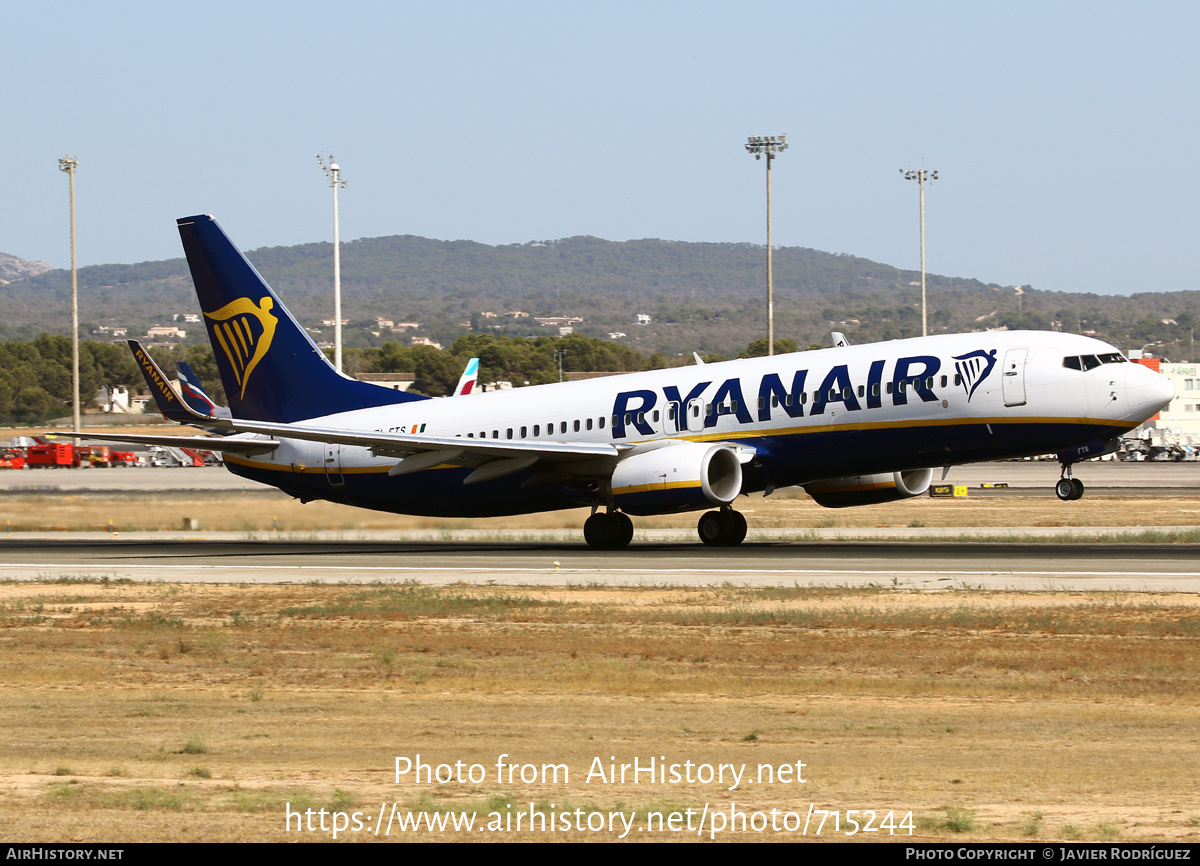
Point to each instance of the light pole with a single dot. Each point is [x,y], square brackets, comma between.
[69,164]
[920,176]
[770,146]
[334,173]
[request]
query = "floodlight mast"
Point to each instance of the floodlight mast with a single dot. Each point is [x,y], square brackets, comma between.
[334,173]
[920,176]
[69,164]
[770,146]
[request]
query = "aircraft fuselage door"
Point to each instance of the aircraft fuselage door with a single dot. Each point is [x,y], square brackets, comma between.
[333,464]
[695,415]
[671,422]
[1014,377]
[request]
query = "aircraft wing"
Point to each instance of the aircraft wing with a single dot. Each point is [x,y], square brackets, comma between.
[231,444]
[494,457]
[401,445]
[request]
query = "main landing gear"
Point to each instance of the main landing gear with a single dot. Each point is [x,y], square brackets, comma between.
[610,530]
[724,528]
[1068,488]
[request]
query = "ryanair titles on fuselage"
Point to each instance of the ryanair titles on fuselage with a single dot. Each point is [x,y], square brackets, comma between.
[913,377]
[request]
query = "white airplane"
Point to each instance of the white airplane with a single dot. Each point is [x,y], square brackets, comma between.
[853,425]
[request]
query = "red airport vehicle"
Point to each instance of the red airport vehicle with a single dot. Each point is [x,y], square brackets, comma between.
[51,454]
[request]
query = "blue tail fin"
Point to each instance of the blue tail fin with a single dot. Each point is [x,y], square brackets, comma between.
[270,368]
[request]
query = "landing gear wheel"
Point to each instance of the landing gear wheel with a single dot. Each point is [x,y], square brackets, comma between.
[622,530]
[722,528]
[737,529]
[611,531]
[1065,489]
[598,532]
[711,528]
[1069,489]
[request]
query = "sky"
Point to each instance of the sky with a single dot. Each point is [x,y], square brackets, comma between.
[1064,133]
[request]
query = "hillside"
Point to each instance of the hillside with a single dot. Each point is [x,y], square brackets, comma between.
[700,296]
[13,268]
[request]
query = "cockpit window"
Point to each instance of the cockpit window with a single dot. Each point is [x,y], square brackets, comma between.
[1091,362]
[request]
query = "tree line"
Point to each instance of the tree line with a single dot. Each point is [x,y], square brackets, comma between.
[35,375]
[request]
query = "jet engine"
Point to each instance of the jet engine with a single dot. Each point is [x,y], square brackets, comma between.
[869,489]
[680,476]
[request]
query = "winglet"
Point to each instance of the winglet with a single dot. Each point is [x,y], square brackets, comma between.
[168,402]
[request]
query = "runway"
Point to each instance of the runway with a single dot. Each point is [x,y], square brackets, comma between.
[922,566]
[897,556]
[1028,476]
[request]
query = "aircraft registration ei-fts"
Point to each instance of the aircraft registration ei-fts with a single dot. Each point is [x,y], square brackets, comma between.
[853,425]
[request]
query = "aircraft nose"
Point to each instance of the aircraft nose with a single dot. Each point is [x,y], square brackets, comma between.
[1149,392]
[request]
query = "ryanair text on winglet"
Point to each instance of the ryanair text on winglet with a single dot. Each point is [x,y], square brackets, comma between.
[153,376]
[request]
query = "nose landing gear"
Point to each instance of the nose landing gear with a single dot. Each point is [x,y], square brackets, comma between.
[1068,488]
[724,528]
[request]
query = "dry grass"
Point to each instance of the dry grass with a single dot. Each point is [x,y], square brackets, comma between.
[146,712]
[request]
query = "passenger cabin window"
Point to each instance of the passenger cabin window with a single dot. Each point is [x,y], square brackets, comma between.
[589,420]
[524,432]
[509,433]
[562,427]
[576,425]
[537,430]
[601,422]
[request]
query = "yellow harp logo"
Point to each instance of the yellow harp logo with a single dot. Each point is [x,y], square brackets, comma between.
[244,331]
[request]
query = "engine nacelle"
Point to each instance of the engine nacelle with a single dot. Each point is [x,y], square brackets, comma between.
[682,476]
[869,489]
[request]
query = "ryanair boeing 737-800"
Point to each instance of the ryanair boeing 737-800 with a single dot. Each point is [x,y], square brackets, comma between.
[853,425]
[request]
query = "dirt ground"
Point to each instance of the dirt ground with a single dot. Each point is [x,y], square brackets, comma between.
[200,712]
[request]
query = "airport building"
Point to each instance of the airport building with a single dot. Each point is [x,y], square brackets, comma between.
[1182,416]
